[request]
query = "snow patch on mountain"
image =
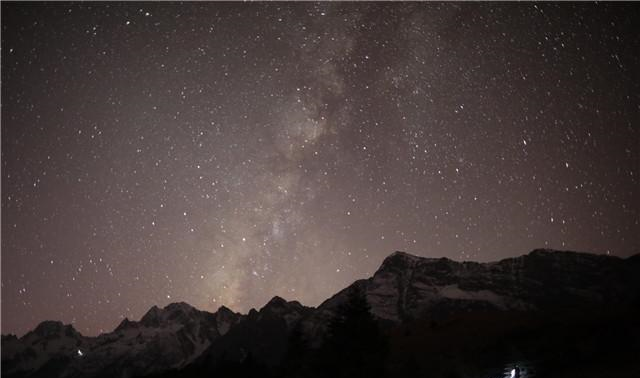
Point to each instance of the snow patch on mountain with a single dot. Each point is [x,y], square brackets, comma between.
[405,287]
[454,292]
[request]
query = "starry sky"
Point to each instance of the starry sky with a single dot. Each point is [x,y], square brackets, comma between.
[224,153]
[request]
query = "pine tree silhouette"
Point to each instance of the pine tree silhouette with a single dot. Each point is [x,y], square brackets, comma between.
[296,360]
[354,347]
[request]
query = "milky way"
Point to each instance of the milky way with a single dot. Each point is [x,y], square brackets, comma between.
[225,153]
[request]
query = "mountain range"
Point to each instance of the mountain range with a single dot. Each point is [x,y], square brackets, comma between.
[551,313]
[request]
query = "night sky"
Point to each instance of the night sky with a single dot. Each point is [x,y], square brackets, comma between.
[226,153]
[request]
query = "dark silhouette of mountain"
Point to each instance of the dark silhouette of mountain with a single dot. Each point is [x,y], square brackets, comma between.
[547,313]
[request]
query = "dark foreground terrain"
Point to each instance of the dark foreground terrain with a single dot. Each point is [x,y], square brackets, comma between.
[544,314]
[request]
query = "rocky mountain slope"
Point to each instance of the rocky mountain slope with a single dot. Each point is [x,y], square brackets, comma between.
[164,338]
[404,290]
[408,287]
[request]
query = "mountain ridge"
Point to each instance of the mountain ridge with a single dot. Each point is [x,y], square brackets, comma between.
[394,256]
[404,288]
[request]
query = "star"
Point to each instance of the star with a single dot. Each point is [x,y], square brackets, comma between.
[225,153]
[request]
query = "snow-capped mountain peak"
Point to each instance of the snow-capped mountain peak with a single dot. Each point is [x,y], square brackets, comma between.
[405,287]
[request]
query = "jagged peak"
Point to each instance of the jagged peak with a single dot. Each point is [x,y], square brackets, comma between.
[179,306]
[279,302]
[225,314]
[153,309]
[152,317]
[296,303]
[152,312]
[53,327]
[124,324]
[276,301]
[399,259]
[49,325]
[224,310]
